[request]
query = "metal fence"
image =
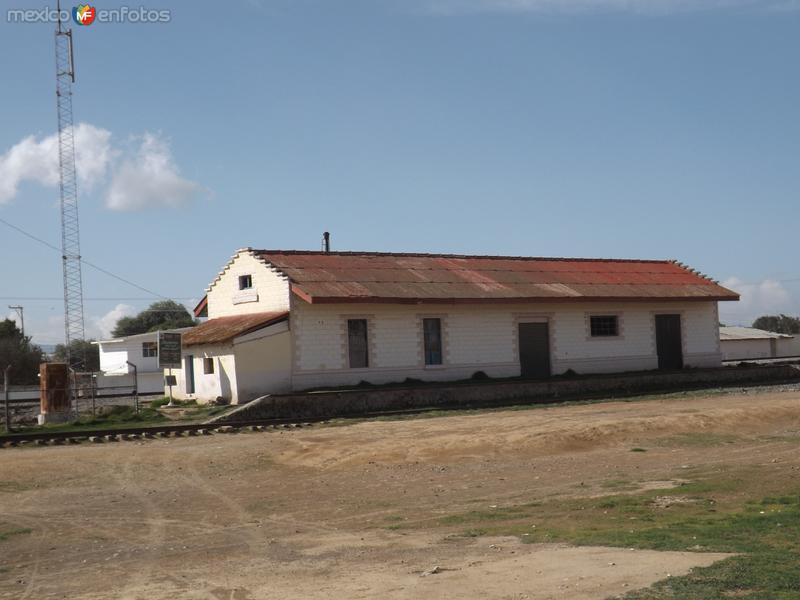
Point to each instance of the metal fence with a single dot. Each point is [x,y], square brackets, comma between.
[90,393]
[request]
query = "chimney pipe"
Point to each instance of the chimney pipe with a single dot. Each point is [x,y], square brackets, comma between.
[326,241]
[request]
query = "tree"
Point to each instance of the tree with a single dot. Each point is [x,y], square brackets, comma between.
[84,350]
[16,350]
[778,323]
[165,314]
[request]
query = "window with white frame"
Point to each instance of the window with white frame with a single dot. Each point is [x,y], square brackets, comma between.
[604,325]
[245,282]
[149,349]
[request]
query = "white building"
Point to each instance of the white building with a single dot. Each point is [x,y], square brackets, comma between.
[117,355]
[293,320]
[743,343]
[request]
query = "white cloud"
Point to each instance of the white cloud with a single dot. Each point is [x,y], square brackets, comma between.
[654,7]
[36,160]
[145,176]
[101,327]
[757,299]
[149,178]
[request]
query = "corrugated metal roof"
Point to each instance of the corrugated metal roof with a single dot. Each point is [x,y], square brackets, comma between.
[748,333]
[388,277]
[224,329]
[146,335]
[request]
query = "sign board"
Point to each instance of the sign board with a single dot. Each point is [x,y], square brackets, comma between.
[169,350]
[170,380]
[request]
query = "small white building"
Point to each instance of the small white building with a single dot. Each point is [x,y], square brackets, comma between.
[282,321]
[743,343]
[117,354]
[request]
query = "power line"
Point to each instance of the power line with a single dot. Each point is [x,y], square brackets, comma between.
[84,261]
[116,299]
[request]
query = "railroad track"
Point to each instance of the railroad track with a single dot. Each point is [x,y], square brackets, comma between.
[59,438]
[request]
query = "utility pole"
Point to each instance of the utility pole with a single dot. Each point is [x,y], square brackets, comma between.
[19,310]
[5,396]
[70,230]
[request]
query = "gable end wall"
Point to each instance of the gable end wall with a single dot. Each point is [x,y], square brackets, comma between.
[269,286]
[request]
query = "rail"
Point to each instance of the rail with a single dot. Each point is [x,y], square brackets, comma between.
[133,433]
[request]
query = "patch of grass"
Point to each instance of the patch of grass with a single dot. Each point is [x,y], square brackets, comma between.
[713,514]
[474,533]
[619,484]
[394,518]
[8,533]
[159,402]
[114,416]
[121,417]
[13,487]
[698,440]
[494,514]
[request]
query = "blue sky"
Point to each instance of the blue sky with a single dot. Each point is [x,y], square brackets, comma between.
[610,128]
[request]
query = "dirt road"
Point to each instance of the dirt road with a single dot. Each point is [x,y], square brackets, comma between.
[349,511]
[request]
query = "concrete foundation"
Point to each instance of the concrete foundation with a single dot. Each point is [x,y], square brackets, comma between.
[54,417]
[499,393]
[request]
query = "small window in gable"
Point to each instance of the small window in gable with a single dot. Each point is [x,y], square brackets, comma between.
[245,282]
[604,326]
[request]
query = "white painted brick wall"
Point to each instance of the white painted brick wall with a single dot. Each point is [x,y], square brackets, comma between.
[271,287]
[483,337]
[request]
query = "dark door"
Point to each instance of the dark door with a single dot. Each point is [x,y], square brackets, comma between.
[534,350]
[668,342]
[189,373]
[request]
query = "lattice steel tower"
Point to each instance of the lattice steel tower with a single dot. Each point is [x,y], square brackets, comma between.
[70,230]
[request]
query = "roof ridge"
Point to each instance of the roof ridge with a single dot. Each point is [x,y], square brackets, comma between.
[445,255]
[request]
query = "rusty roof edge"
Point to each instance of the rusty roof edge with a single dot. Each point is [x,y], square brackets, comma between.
[277,317]
[200,306]
[512,300]
[465,256]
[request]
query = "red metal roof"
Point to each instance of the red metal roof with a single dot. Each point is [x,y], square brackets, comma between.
[201,310]
[224,329]
[387,277]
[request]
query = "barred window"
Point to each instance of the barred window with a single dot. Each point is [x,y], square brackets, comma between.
[432,341]
[604,326]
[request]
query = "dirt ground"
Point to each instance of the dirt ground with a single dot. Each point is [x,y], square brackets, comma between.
[354,511]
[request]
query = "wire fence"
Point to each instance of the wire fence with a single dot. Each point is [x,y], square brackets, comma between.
[87,394]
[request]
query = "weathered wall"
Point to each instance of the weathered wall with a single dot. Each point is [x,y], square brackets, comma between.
[222,382]
[788,346]
[270,291]
[359,402]
[743,349]
[113,355]
[484,337]
[254,364]
[263,362]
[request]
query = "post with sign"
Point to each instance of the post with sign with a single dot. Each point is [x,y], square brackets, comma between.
[169,356]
